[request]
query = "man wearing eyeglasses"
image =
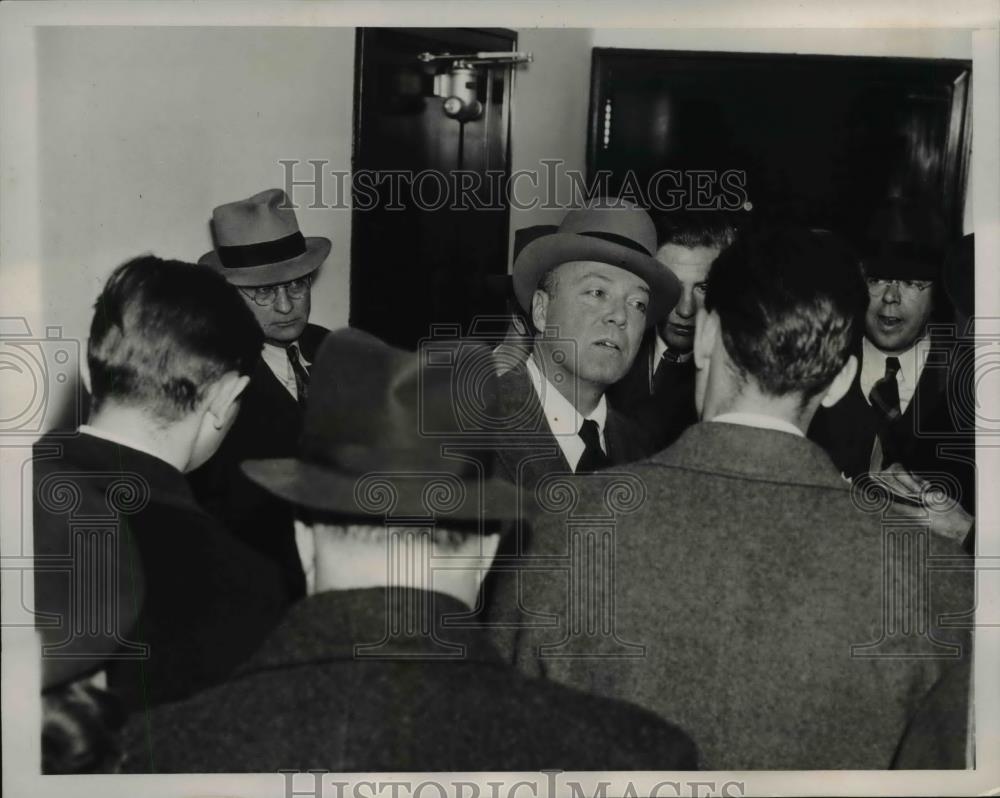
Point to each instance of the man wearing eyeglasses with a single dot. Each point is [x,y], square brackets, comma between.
[261,252]
[895,418]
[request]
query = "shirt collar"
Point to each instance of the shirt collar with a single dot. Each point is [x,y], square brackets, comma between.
[276,358]
[760,421]
[563,417]
[911,365]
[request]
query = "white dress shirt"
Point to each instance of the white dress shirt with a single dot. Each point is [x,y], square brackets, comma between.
[277,360]
[911,365]
[760,421]
[564,419]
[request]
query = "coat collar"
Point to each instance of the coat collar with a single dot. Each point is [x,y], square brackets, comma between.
[375,624]
[99,456]
[752,453]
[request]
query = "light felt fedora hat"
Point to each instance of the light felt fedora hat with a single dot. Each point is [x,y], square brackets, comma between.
[617,233]
[257,242]
[376,428]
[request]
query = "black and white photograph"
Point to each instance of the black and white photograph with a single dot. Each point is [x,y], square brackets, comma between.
[489,400]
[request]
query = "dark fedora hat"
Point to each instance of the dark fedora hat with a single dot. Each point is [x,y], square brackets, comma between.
[617,233]
[382,432]
[906,241]
[258,242]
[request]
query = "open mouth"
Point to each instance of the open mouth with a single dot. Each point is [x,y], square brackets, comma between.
[607,343]
[889,322]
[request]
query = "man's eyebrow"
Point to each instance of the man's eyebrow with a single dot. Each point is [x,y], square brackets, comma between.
[607,279]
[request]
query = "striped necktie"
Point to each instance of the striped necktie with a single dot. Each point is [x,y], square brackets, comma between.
[300,372]
[884,397]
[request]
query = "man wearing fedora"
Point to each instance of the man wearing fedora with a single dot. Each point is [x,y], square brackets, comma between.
[375,670]
[900,417]
[260,250]
[591,289]
[168,357]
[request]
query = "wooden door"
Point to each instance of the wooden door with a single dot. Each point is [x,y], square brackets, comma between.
[415,260]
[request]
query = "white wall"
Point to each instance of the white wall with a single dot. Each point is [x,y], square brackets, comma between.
[144,130]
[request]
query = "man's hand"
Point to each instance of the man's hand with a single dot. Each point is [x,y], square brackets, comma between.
[918,500]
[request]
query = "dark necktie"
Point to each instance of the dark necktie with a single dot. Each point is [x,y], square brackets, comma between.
[884,397]
[593,458]
[661,377]
[300,372]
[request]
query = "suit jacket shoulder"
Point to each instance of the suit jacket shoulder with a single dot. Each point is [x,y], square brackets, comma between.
[393,713]
[753,536]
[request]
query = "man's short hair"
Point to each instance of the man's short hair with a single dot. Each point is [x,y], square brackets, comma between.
[792,304]
[549,282]
[692,229]
[163,332]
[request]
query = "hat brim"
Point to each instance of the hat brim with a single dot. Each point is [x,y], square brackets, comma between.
[547,252]
[318,487]
[317,250]
[900,268]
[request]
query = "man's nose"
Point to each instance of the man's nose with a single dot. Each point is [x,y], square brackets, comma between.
[282,302]
[891,294]
[618,311]
[685,307]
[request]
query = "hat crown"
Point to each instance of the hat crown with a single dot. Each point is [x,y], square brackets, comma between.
[617,233]
[621,220]
[266,216]
[383,408]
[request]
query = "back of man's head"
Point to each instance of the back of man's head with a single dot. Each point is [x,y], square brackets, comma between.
[163,332]
[791,307]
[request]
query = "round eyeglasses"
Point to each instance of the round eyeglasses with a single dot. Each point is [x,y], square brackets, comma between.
[877,285]
[265,295]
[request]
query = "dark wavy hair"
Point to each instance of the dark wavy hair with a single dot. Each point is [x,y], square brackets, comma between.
[163,332]
[792,304]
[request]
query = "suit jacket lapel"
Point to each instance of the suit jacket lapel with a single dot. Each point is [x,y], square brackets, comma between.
[931,387]
[530,436]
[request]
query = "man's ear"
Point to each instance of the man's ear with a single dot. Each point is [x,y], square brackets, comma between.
[85,374]
[706,332]
[485,549]
[305,543]
[223,397]
[539,309]
[841,383]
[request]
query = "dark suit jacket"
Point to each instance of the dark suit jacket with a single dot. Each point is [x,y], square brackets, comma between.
[268,425]
[743,574]
[528,450]
[930,436]
[209,599]
[419,702]
[662,416]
